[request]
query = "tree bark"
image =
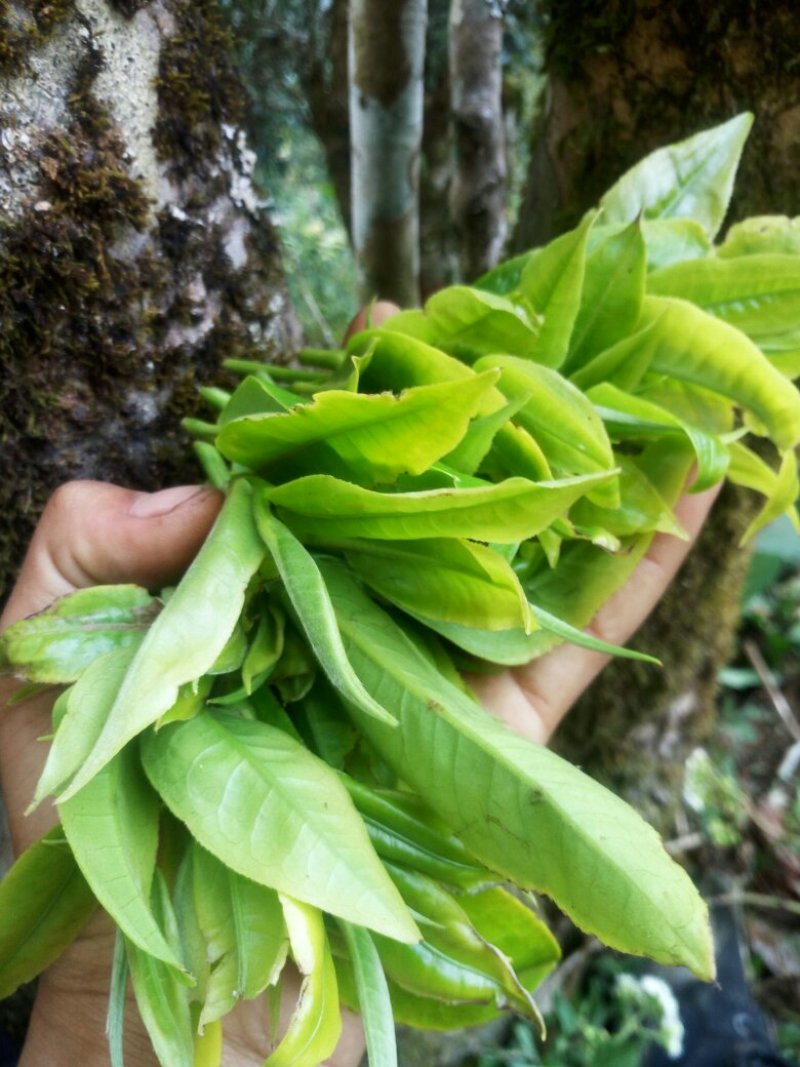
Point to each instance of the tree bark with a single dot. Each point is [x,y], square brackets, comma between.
[134,254]
[623,80]
[386,51]
[437,237]
[476,87]
[626,78]
[325,89]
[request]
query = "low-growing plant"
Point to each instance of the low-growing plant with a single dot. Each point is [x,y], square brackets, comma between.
[279,757]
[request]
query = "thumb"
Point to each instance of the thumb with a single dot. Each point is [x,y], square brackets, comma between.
[91,533]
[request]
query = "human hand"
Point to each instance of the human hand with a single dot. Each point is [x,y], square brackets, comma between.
[94,534]
[533,699]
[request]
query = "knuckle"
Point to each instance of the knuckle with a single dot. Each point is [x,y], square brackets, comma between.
[65,499]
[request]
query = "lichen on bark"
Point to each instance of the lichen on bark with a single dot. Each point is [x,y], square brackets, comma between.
[129,266]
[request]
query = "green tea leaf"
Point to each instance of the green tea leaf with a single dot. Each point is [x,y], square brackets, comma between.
[211,902]
[560,418]
[188,635]
[266,646]
[624,364]
[701,350]
[162,1000]
[316,1024]
[44,903]
[398,361]
[270,810]
[312,606]
[574,636]
[423,1013]
[787,363]
[406,831]
[781,489]
[586,575]
[208,1046]
[673,241]
[469,323]
[255,396]
[378,437]
[690,179]
[708,411]
[56,645]
[244,935]
[112,828]
[762,234]
[758,294]
[373,997]
[450,945]
[611,298]
[261,935]
[642,509]
[472,449]
[443,578]
[322,509]
[514,928]
[505,277]
[81,717]
[629,417]
[505,648]
[552,281]
[115,1019]
[519,807]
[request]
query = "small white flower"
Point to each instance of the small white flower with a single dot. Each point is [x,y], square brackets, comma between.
[672,1030]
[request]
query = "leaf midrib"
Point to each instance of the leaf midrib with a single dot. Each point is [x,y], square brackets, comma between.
[463,727]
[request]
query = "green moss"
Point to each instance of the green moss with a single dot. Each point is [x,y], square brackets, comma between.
[101,344]
[20,34]
[68,335]
[197,88]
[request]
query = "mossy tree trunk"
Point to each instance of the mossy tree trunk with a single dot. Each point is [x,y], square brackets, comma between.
[134,254]
[476,87]
[623,80]
[626,78]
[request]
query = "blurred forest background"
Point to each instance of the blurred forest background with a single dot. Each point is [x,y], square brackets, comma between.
[123,286]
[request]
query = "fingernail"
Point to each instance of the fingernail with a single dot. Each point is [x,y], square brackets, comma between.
[150,505]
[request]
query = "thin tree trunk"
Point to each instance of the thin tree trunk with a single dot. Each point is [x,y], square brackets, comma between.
[386,50]
[325,89]
[437,240]
[476,87]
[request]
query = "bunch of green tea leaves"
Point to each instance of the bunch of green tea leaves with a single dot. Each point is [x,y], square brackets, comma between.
[279,756]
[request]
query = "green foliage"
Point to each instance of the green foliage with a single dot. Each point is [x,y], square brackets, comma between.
[614,1018]
[469,482]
